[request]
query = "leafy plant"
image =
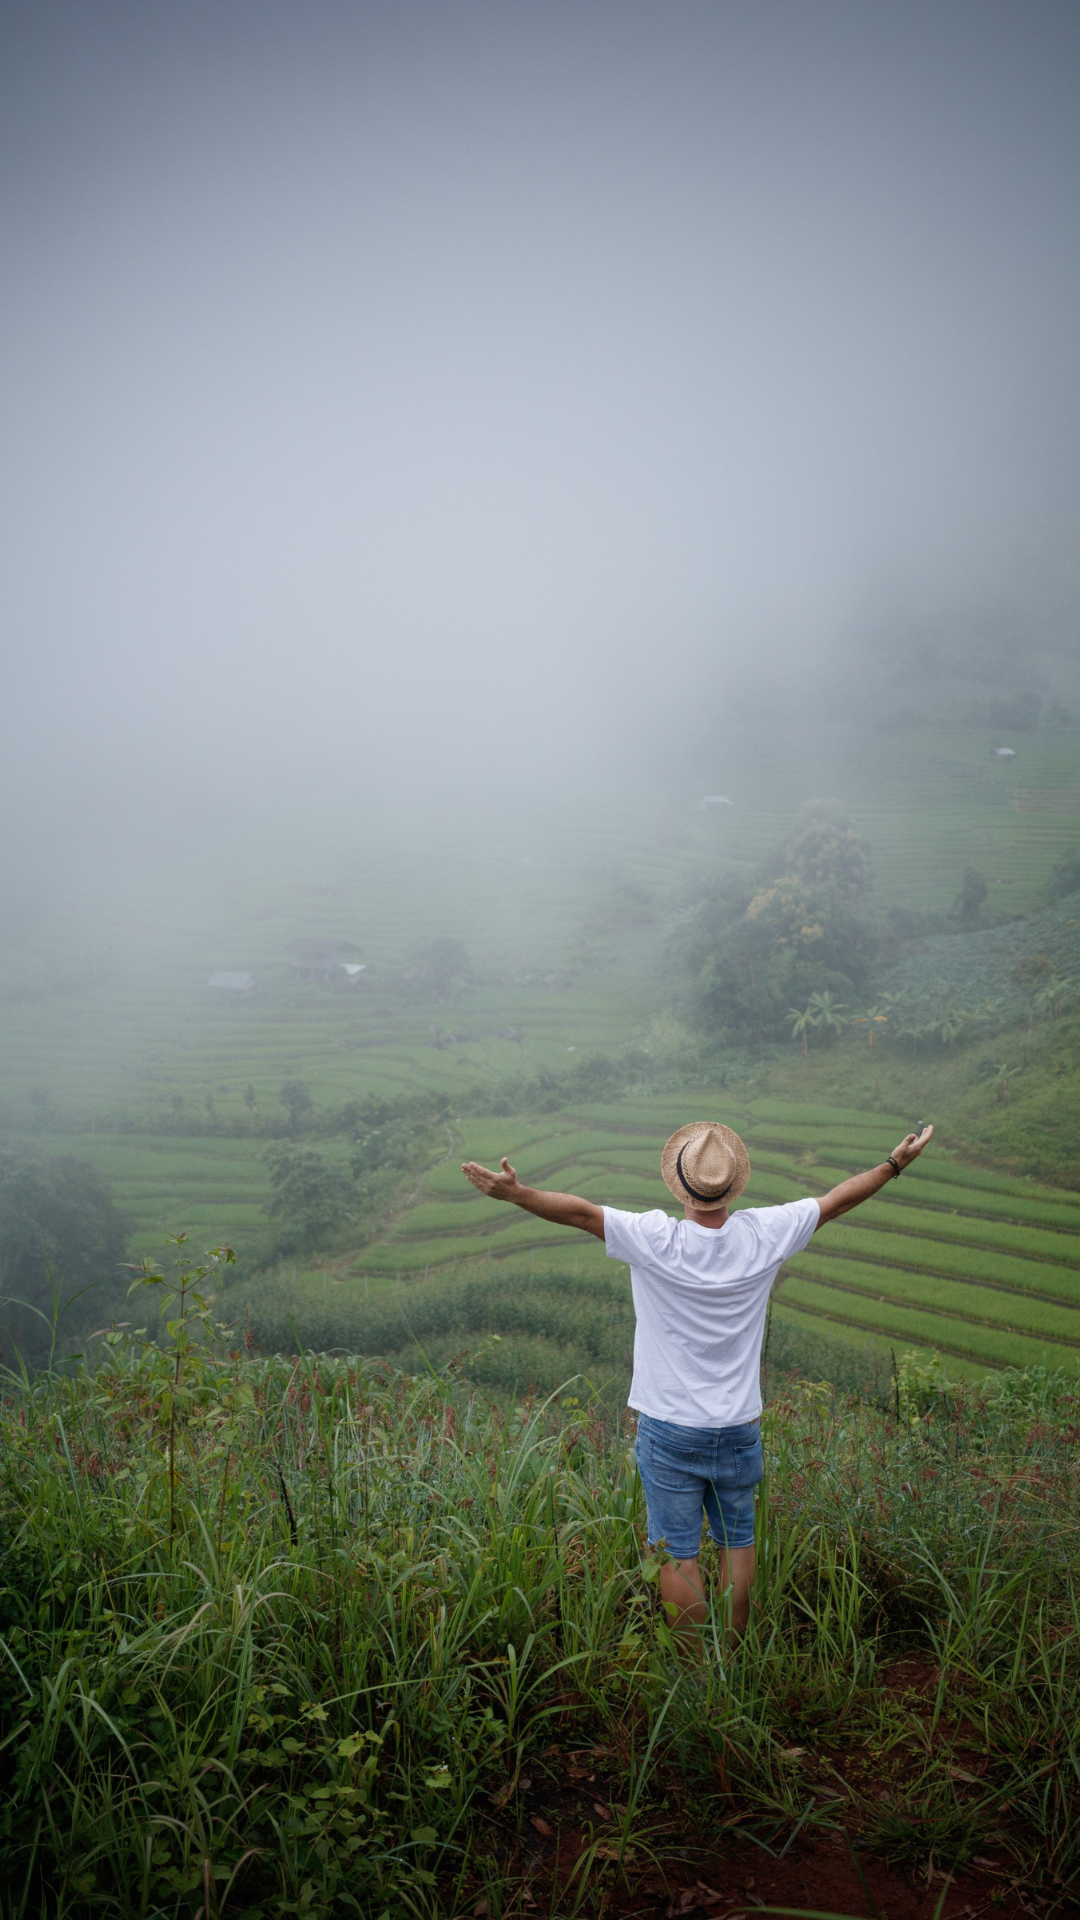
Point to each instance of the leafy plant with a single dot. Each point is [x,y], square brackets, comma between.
[187,1312]
[1054,997]
[313,1197]
[969,900]
[296,1100]
[951,1023]
[1001,1082]
[875,1018]
[1065,879]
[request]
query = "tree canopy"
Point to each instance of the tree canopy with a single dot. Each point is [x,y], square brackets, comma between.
[60,1230]
[749,954]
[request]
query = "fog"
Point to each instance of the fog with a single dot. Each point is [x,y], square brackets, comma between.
[456,403]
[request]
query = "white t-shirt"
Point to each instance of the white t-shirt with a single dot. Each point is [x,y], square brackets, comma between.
[700,1295]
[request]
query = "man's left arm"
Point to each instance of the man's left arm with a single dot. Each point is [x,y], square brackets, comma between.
[863,1186]
[562,1209]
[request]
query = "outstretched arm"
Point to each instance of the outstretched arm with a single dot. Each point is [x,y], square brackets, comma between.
[848,1194]
[564,1209]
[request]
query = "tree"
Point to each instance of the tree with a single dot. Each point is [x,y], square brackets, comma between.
[754,954]
[828,1012]
[314,1197]
[950,1024]
[296,1100]
[802,1024]
[828,853]
[872,1019]
[1065,878]
[914,1030]
[1053,999]
[969,900]
[61,1234]
[249,1099]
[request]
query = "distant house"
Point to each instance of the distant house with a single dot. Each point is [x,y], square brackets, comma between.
[232,982]
[1004,753]
[714,800]
[318,962]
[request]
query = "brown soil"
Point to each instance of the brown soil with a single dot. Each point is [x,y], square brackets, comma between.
[818,1874]
[541,1829]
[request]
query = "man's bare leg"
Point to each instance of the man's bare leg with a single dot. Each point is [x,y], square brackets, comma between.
[682,1590]
[737,1568]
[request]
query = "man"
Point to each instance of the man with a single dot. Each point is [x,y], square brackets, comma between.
[701,1287]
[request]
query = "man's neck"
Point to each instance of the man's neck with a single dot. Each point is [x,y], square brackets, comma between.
[716,1216]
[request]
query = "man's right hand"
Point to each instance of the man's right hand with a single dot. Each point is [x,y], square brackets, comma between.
[497,1186]
[562,1209]
[851,1193]
[911,1146]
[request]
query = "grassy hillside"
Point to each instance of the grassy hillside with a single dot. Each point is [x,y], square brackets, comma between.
[1032,1132]
[357,1644]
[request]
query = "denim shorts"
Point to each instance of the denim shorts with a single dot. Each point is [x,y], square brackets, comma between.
[687,1471]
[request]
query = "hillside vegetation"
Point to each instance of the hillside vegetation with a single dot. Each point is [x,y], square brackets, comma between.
[317,1637]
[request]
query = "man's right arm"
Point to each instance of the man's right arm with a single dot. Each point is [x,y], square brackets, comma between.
[562,1209]
[863,1186]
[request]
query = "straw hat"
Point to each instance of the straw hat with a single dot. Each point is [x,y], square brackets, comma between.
[705,1165]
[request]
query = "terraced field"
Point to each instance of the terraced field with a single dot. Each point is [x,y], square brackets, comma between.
[983,1268]
[210,1189]
[980,1267]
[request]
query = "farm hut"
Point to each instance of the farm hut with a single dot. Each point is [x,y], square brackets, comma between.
[232,982]
[318,962]
[1004,753]
[714,800]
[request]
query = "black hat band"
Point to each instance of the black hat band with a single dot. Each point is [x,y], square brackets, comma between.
[709,1199]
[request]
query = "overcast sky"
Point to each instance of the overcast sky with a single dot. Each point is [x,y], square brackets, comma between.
[463,391]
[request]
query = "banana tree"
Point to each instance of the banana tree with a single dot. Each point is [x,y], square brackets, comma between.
[828,1013]
[951,1025]
[1053,999]
[801,1024]
[872,1019]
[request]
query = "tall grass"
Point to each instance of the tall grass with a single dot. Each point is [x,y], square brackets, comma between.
[387,1612]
